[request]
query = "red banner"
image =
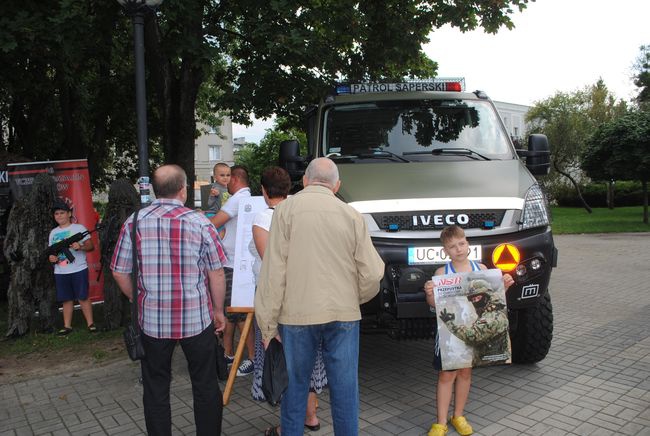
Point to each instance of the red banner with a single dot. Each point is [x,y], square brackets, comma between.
[73,185]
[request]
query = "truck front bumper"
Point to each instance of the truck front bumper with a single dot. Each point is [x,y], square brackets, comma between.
[402,288]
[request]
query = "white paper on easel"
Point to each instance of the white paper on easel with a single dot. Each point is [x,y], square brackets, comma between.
[243,281]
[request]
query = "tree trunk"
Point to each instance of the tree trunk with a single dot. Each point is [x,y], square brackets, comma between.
[100,150]
[22,143]
[644,184]
[610,194]
[176,90]
[575,185]
[72,144]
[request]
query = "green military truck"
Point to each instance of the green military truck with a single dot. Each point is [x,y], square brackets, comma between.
[415,157]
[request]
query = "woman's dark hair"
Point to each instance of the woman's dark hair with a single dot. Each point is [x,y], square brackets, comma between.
[276,182]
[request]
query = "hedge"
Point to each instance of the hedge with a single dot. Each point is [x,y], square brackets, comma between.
[595,194]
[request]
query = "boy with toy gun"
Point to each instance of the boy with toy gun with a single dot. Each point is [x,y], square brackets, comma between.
[70,271]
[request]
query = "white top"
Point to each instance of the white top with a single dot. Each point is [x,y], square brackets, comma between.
[262,220]
[63,265]
[232,209]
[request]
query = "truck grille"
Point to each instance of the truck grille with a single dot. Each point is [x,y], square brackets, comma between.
[428,220]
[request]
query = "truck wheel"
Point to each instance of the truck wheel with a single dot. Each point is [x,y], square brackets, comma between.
[532,338]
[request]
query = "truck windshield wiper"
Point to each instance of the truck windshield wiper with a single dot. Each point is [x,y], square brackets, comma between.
[382,154]
[450,150]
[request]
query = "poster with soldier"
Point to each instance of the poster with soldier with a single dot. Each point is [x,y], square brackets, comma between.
[472,319]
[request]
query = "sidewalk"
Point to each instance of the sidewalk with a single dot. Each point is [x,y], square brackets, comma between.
[595,380]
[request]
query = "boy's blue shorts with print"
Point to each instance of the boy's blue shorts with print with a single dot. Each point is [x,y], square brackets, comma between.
[73,286]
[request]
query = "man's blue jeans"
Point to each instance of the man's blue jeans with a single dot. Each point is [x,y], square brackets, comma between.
[340,341]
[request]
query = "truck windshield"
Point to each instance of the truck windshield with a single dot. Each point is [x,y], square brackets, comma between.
[414,129]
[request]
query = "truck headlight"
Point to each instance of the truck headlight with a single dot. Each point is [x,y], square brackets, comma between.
[536,211]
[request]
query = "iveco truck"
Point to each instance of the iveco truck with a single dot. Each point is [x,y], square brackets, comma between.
[415,157]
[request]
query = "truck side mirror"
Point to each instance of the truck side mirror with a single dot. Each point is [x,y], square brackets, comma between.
[538,156]
[291,160]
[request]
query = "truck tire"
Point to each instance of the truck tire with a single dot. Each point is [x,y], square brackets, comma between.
[532,338]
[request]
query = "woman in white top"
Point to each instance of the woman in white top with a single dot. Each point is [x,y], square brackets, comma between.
[276,184]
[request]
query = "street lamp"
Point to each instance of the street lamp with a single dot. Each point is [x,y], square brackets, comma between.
[137,10]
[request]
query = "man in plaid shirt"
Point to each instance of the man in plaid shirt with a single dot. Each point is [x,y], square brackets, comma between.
[181,290]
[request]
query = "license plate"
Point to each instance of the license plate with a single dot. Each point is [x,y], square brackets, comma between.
[436,255]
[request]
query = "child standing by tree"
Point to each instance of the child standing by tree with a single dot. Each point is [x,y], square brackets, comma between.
[71,277]
[456,247]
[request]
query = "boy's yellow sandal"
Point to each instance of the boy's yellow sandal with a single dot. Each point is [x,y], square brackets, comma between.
[438,430]
[461,425]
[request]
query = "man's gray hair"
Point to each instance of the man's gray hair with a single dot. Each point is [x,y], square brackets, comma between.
[322,171]
[167,180]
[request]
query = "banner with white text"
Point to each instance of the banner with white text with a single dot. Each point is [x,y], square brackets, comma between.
[73,185]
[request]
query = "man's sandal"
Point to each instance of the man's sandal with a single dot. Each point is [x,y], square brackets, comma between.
[92,328]
[272,431]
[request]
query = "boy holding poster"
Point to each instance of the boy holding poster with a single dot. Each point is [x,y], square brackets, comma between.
[457,248]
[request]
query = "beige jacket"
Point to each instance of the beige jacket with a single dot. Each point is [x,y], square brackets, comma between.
[319,264]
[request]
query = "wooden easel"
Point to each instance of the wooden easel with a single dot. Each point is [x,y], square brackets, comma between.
[250,312]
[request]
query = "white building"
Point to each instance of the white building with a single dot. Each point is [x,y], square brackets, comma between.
[214,145]
[238,144]
[514,118]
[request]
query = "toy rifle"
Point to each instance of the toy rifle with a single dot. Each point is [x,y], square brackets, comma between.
[63,246]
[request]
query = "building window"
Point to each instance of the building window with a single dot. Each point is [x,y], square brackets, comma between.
[214,152]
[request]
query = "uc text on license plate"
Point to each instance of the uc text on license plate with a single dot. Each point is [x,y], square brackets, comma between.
[435,255]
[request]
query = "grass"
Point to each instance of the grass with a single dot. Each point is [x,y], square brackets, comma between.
[601,220]
[80,340]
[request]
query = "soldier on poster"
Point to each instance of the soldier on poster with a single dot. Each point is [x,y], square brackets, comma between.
[472,319]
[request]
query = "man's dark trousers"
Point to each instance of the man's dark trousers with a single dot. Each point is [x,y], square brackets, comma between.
[200,353]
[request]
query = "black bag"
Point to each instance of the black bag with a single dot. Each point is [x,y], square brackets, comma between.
[274,376]
[222,366]
[133,342]
[132,333]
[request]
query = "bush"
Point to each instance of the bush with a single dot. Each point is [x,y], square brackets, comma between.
[100,207]
[595,194]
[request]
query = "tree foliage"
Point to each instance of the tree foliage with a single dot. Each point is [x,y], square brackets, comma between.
[567,119]
[66,84]
[256,157]
[642,76]
[620,149]
[66,88]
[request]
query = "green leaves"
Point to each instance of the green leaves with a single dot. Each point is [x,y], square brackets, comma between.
[620,149]
[257,157]
[67,78]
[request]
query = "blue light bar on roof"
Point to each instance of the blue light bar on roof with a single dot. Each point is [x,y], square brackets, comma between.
[449,84]
[343,89]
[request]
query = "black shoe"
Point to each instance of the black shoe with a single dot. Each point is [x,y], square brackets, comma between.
[65,331]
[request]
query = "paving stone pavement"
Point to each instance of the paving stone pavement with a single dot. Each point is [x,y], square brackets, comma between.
[595,380]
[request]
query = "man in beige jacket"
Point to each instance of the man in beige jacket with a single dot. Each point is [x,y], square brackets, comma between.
[319,266]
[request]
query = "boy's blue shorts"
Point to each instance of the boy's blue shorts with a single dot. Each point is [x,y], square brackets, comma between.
[72,286]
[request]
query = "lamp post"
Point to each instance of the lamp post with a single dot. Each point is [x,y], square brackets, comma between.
[137,10]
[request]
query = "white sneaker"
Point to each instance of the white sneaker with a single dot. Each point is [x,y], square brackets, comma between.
[245,368]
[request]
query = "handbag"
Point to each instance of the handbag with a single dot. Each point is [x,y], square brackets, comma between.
[133,342]
[132,333]
[222,366]
[274,375]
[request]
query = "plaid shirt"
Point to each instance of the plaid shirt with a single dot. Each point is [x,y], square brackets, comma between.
[176,247]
